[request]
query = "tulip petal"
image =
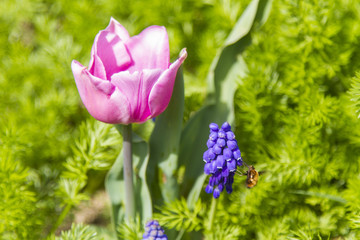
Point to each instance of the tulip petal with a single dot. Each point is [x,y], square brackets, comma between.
[96,65]
[98,68]
[161,93]
[118,29]
[149,49]
[100,97]
[136,87]
[112,52]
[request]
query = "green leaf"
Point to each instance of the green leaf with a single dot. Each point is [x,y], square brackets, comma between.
[164,146]
[320,195]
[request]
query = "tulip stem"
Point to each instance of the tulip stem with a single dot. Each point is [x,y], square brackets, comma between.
[128,173]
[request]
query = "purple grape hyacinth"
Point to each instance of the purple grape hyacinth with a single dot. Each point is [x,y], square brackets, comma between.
[153,231]
[221,159]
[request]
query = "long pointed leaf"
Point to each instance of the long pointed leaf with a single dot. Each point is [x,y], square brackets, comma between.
[164,146]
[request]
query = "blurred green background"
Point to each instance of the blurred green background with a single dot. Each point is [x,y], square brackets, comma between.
[295,120]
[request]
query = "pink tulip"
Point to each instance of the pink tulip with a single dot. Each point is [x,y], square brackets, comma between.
[129,79]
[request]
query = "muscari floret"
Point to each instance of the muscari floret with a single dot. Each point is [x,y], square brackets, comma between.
[153,231]
[221,159]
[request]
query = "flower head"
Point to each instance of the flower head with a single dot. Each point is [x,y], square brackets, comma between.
[153,231]
[221,159]
[129,79]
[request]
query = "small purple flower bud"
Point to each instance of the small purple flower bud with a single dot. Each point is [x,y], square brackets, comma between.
[225,179]
[216,193]
[220,161]
[212,181]
[231,165]
[228,154]
[206,156]
[225,171]
[211,154]
[207,168]
[217,149]
[209,189]
[230,179]
[232,144]
[210,143]
[214,127]
[221,187]
[226,126]
[221,142]
[213,136]
[230,135]
[218,178]
[221,134]
[213,167]
[228,188]
[237,154]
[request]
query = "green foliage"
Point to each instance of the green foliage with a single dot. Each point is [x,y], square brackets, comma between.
[78,232]
[96,148]
[355,92]
[221,231]
[294,116]
[177,215]
[294,119]
[295,122]
[164,146]
[18,218]
[130,230]
[227,65]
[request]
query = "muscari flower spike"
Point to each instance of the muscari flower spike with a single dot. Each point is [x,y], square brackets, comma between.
[221,159]
[153,231]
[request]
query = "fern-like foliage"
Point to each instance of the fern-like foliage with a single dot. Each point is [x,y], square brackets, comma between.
[17,200]
[79,231]
[295,121]
[19,205]
[131,230]
[96,148]
[355,92]
[223,231]
[177,215]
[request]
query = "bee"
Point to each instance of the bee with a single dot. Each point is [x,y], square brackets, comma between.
[252,177]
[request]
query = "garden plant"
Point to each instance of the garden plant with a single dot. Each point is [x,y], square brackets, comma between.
[210,119]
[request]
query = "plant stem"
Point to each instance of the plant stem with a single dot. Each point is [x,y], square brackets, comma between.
[128,173]
[212,213]
[61,218]
[181,233]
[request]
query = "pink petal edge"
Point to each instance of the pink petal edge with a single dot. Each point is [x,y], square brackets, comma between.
[115,27]
[149,49]
[161,93]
